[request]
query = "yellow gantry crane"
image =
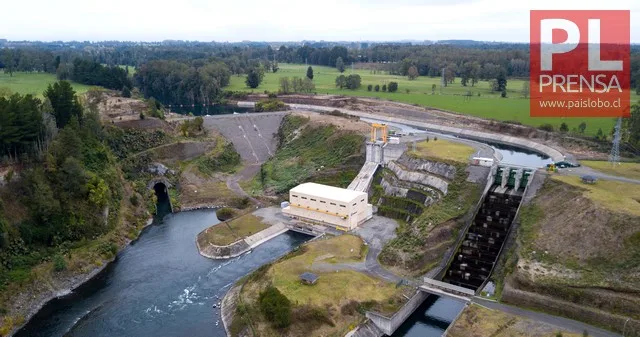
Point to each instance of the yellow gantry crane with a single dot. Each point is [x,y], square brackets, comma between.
[374,132]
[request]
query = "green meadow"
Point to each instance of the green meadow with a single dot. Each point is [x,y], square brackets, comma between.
[33,83]
[483,102]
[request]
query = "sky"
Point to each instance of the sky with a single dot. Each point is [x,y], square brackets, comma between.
[285,20]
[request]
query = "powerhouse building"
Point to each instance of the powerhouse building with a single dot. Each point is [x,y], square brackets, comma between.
[328,205]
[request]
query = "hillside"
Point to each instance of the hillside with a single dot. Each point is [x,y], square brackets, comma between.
[578,253]
[325,149]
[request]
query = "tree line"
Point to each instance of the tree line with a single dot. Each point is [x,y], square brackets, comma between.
[186,82]
[93,73]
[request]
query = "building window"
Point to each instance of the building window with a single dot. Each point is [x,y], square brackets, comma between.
[343,206]
[293,195]
[355,204]
[332,203]
[313,199]
[354,213]
[362,200]
[323,202]
[304,198]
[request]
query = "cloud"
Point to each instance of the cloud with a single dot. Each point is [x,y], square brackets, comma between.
[280,20]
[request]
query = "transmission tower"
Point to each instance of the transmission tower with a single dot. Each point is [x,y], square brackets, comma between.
[614,156]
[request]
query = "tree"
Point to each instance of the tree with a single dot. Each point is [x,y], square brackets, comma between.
[412,73]
[341,81]
[126,92]
[254,77]
[64,102]
[525,89]
[564,128]
[285,85]
[353,81]
[582,127]
[340,64]
[310,73]
[9,62]
[276,307]
[501,81]
[393,87]
[600,134]
[433,89]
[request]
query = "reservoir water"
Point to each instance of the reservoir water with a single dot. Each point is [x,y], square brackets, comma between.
[431,318]
[158,286]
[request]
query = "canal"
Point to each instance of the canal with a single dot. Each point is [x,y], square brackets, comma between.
[158,286]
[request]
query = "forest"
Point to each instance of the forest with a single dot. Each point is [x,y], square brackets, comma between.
[471,62]
[66,186]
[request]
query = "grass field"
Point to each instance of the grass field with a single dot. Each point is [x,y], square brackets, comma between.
[629,170]
[443,149]
[479,321]
[487,105]
[34,83]
[613,195]
[340,295]
[229,232]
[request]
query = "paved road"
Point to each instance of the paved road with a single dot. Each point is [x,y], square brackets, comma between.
[583,170]
[561,322]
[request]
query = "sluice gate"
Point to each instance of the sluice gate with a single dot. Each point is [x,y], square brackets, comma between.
[476,256]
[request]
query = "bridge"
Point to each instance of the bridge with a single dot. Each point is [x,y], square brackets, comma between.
[448,290]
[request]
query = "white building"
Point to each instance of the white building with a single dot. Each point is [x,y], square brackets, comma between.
[328,205]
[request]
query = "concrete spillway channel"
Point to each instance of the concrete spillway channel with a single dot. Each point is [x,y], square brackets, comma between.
[478,253]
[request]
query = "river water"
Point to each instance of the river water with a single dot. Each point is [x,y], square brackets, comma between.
[158,286]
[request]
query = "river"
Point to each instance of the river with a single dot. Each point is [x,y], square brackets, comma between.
[158,286]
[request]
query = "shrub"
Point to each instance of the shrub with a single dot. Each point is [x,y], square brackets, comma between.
[546,127]
[384,87]
[377,87]
[272,95]
[564,127]
[240,203]
[504,93]
[59,264]
[393,87]
[270,104]
[134,200]
[225,213]
[142,115]
[369,87]
[276,307]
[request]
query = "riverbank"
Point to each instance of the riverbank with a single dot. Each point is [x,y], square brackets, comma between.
[37,297]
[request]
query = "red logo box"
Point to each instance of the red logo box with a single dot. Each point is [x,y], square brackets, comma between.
[580,63]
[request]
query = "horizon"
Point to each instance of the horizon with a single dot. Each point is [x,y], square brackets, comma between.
[377,21]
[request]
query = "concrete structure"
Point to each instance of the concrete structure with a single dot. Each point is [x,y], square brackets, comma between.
[375,152]
[338,207]
[388,325]
[487,162]
[362,181]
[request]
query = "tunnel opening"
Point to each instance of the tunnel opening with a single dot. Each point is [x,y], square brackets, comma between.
[163,203]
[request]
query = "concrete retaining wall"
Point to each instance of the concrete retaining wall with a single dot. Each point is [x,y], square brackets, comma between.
[388,325]
[417,177]
[441,169]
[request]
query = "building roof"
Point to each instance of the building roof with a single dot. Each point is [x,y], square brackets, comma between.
[328,192]
[309,277]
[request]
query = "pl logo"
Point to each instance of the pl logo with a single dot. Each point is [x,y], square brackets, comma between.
[580,64]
